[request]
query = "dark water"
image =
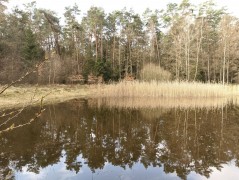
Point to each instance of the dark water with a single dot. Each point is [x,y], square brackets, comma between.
[80,140]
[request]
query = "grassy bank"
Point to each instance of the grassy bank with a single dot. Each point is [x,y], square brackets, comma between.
[31,95]
[126,94]
[155,89]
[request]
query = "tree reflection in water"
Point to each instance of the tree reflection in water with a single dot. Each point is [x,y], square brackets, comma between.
[179,140]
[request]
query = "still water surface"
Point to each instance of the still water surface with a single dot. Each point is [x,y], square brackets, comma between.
[81,139]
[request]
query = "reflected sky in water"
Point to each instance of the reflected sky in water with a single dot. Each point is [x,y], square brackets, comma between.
[109,172]
[81,139]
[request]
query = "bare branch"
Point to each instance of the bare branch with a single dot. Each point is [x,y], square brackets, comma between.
[13,127]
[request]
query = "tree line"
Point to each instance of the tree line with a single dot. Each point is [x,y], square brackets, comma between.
[192,43]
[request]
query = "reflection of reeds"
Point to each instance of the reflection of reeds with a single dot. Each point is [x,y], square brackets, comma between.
[163,102]
[168,89]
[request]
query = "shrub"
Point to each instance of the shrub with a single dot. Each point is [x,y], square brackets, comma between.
[154,72]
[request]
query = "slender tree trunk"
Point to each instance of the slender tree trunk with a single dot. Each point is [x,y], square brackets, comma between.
[198,50]
[227,71]
[119,61]
[228,65]
[224,63]
[130,61]
[113,58]
[180,58]
[188,54]
[54,71]
[96,46]
[208,69]
[176,68]
[157,49]
[101,46]
[186,61]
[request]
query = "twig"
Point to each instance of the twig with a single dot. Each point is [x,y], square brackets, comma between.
[9,114]
[41,110]
[12,117]
[20,111]
[12,127]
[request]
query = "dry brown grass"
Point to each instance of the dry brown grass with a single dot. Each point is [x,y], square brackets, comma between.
[167,94]
[156,89]
[21,96]
[154,72]
[126,94]
[168,103]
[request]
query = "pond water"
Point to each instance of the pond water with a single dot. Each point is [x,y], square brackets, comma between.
[84,139]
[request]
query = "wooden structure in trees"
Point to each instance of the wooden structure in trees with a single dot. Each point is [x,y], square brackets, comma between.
[74,79]
[92,79]
[129,78]
[79,79]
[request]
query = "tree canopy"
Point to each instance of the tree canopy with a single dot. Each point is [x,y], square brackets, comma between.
[193,43]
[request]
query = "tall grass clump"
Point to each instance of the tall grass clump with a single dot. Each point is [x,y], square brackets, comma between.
[155,89]
[166,103]
[154,72]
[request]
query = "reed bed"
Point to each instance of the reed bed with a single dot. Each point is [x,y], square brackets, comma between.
[136,89]
[166,103]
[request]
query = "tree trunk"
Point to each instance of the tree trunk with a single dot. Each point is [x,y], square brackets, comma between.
[224,63]
[113,58]
[119,61]
[96,46]
[101,46]
[198,50]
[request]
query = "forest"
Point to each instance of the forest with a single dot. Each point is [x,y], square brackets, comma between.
[120,94]
[184,41]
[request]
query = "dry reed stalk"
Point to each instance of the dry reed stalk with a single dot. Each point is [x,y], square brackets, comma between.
[156,89]
[154,72]
[153,103]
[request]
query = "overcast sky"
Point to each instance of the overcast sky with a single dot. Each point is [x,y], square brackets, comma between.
[110,5]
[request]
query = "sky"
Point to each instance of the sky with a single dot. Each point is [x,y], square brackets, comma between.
[109,5]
